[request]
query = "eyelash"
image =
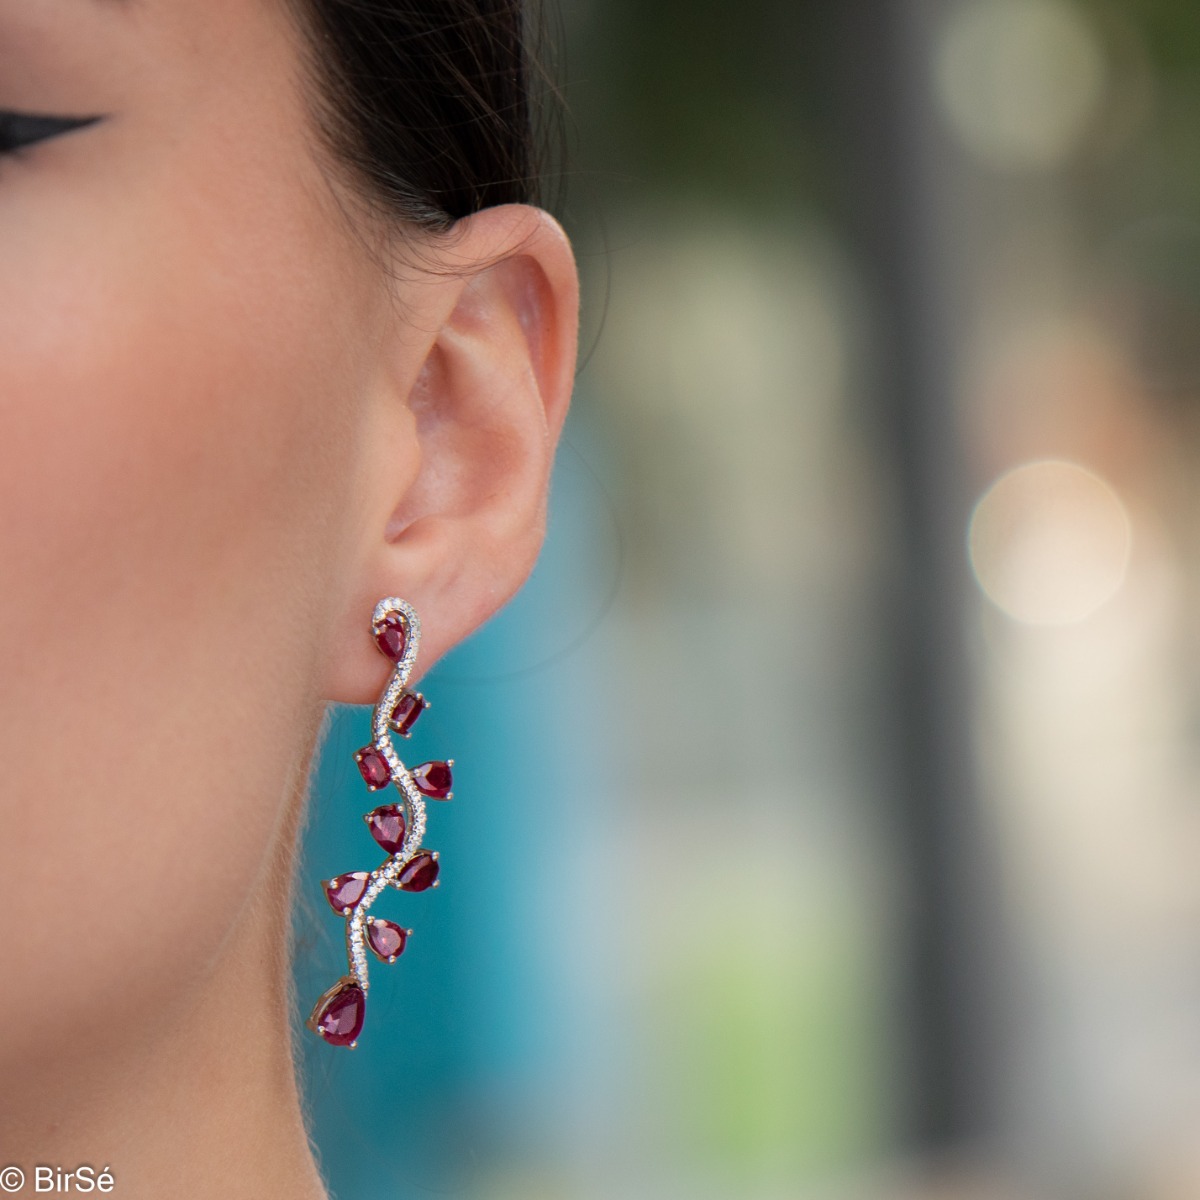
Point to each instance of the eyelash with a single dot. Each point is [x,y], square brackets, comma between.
[20,130]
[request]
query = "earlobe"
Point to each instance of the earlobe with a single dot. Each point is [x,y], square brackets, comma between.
[484,406]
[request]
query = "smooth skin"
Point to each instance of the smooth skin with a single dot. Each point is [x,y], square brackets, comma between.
[233,415]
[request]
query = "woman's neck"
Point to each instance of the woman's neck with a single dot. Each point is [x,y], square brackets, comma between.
[203,1104]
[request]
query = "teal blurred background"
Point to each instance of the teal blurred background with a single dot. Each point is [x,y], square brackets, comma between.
[826,817]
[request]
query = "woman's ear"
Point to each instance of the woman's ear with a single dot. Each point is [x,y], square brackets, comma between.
[477,374]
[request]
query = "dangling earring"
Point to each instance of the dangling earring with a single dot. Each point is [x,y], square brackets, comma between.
[398,828]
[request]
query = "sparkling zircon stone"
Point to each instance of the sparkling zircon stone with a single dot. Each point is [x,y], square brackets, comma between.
[391,636]
[344,891]
[386,938]
[408,708]
[420,872]
[375,770]
[338,1014]
[387,826]
[433,779]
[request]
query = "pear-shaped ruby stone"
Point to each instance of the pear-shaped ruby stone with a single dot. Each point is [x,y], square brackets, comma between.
[386,938]
[387,826]
[338,1014]
[373,766]
[391,636]
[406,711]
[433,779]
[420,872]
[344,891]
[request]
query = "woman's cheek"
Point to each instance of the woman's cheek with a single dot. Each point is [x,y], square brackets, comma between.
[171,449]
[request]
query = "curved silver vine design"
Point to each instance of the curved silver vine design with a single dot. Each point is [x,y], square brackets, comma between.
[388,873]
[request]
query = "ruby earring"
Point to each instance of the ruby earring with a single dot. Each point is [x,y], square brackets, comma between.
[398,828]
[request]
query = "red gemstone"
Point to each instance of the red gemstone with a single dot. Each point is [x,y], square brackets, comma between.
[374,767]
[419,873]
[408,708]
[391,636]
[345,891]
[386,938]
[387,826]
[433,779]
[338,1014]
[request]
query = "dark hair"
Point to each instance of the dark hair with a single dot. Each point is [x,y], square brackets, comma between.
[426,101]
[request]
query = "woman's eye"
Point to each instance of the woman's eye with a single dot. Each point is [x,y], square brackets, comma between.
[18,130]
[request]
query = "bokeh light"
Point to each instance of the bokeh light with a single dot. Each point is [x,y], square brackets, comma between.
[1050,543]
[1020,80]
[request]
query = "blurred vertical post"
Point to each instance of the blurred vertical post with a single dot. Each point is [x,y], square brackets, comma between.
[900,186]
